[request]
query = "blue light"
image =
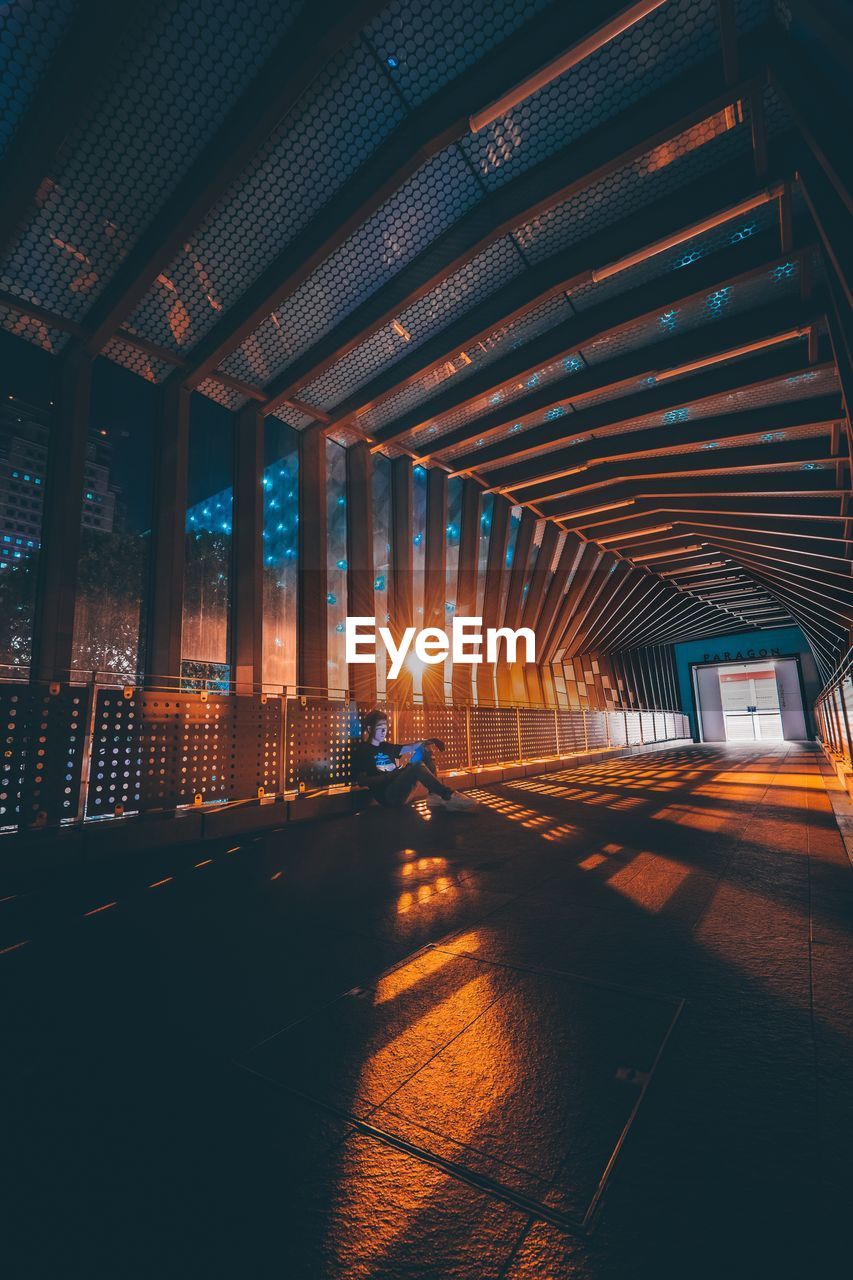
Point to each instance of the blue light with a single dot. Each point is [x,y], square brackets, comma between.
[496,398]
[516,426]
[572,363]
[745,232]
[676,415]
[718,299]
[687,259]
[331,599]
[770,437]
[533,380]
[340,628]
[784,271]
[712,444]
[379,582]
[342,564]
[418,539]
[557,412]
[811,466]
[391,62]
[419,470]
[668,320]
[449,606]
[342,502]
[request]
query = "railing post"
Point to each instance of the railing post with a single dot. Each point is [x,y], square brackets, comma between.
[847,723]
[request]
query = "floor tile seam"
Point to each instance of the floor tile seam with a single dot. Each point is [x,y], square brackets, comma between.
[536,1210]
[653,993]
[375,979]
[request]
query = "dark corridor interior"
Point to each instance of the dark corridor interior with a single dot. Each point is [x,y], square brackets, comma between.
[410,1044]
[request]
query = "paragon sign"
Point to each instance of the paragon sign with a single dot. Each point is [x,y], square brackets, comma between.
[433,645]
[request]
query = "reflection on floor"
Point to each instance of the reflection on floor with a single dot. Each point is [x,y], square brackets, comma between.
[601,1029]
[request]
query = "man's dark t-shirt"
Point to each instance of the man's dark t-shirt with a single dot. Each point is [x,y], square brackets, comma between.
[371,762]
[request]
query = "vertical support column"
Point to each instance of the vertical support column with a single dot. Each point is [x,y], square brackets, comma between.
[515,598]
[53,631]
[466,590]
[402,567]
[361,677]
[436,573]
[495,570]
[168,542]
[312,655]
[247,594]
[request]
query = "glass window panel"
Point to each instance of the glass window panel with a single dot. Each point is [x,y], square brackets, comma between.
[381,559]
[281,551]
[24,434]
[454,524]
[115,524]
[419,513]
[207,572]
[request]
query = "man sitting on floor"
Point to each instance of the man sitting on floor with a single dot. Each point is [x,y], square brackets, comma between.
[393,770]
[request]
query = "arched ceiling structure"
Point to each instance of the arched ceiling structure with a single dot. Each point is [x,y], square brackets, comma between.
[593,256]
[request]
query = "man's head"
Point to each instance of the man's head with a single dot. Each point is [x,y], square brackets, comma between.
[376,727]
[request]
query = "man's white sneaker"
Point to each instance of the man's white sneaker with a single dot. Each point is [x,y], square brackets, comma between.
[460,803]
[435,802]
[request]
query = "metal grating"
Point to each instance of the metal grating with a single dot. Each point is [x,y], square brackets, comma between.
[596,728]
[347,113]
[417,723]
[633,728]
[494,735]
[318,735]
[29,36]
[660,727]
[538,733]
[44,728]
[571,733]
[113,177]
[647,726]
[153,750]
[426,45]
[433,199]
[637,63]
[693,154]
[618,730]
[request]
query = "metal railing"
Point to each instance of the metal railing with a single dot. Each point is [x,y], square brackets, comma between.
[75,752]
[834,713]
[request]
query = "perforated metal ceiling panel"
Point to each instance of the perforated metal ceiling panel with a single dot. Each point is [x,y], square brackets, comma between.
[30,34]
[175,78]
[662,46]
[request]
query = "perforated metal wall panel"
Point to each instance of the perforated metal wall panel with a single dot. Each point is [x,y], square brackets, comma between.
[617,727]
[538,732]
[669,721]
[318,738]
[660,727]
[43,735]
[29,36]
[596,728]
[157,750]
[571,733]
[416,723]
[633,727]
[647,721]
[494,735]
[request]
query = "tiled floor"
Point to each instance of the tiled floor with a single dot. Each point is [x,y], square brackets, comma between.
[600,1029]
